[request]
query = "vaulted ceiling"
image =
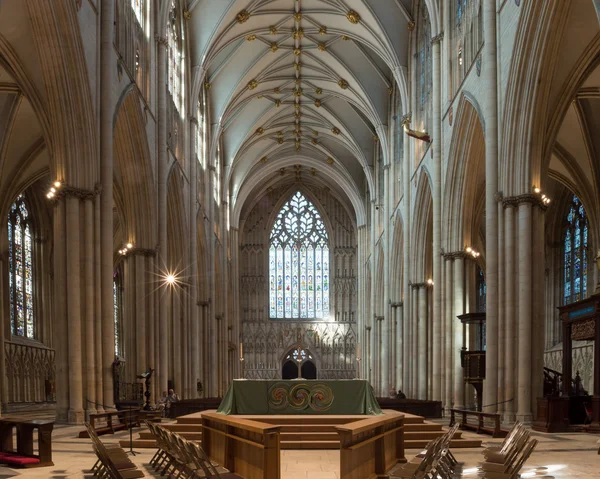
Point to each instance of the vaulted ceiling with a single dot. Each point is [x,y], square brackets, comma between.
[302,85]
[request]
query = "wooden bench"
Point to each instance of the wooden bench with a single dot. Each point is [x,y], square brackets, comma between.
[24,455]
[113,421]
[485,422]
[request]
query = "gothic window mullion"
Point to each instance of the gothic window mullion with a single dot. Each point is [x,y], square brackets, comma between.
[575,258]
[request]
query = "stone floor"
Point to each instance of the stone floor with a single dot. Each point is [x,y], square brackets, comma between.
[566,456]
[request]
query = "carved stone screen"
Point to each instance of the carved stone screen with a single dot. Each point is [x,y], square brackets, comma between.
[331,338]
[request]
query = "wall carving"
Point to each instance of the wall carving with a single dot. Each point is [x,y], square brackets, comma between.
[583,361]
[30,373]
[333,344]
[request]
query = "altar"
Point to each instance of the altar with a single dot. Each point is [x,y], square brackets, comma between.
[261,397]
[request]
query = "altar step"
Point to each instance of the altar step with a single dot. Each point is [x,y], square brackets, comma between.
[312,432]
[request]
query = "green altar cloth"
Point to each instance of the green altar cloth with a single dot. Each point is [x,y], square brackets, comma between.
[352,396]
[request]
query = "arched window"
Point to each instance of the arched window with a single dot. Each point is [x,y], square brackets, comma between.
[575,253]
[424,76]
[299,262]
[175,61]
[118,311]
[20,261]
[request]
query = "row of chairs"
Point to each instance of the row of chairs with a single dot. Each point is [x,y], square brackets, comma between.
[180,458]
[113,462]
[506,460]
[435,461]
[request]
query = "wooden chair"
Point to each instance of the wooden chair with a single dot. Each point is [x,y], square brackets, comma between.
[508,440]
[509,452]
[513,470]
[111,458]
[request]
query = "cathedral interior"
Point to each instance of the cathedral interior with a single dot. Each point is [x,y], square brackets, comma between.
[401,191]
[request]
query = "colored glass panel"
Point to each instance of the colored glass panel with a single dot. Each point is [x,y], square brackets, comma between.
[575,255]
[20,258]
[300,269]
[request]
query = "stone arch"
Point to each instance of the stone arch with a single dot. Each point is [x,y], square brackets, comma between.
[397,260]
[538,39]
[422,230]
[465,179]
[55,28]
[133,172]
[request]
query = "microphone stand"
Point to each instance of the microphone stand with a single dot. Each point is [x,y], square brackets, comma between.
[130,424]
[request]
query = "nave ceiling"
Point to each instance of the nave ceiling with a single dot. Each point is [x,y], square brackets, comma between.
[303,82]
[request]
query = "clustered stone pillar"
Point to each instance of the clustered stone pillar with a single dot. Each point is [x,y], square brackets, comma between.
[162,369]
[448,329]
[510,339]
[457,329]
[524,313]
[422,344]
[436,319]
[490,396]
[107,338]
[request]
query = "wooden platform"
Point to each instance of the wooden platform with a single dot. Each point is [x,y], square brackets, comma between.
[312,432]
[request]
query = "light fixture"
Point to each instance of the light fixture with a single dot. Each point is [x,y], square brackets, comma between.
[52,190]
[430,282]
[469,249]
[537,190]
[57,184]
[129,246]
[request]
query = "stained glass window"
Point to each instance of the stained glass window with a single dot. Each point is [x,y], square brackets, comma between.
[20,260]
[175,59]
[575,253]
[461,6]
[117,297]
[299,263]
[138,7]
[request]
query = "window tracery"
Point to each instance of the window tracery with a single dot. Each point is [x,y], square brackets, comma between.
[424,77]
[575,254]
[299,262]
[21,270]
[175,82]
[466,38]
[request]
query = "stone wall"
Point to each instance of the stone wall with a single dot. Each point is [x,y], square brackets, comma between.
[266,342]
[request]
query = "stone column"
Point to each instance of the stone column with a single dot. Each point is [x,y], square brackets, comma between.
[490,395]
[75,383]
[449,328]
[437,221]
[501,317]
[3,308]
[236,320]
[90,328]
[538,296]
[98,304]
[162,377]
[509,311]
[457,343]
[107,59]
[407,258]
[414,347]
[386,326]
[422,371]
[60,330]
[524,313]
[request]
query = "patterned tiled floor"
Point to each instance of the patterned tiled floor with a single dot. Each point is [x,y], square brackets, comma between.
[566,456]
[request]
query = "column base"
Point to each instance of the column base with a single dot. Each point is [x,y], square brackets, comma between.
[75,416]
[509,418]
[62,415]
[89,412]
[525,418]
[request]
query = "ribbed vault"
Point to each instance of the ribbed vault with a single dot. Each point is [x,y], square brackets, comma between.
[300,81]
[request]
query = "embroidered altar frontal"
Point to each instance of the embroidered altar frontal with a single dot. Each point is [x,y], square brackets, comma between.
[300,397]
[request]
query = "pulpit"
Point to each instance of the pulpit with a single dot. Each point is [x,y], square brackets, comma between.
[473,357]
[580,322]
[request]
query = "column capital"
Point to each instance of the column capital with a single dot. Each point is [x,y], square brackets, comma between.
[529,198]
[193,120]
[437,39]
[397,304]
[161,41]
[417,285]
[148,252]
[65,191]
[379,318]
[455,255]
[386,167]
